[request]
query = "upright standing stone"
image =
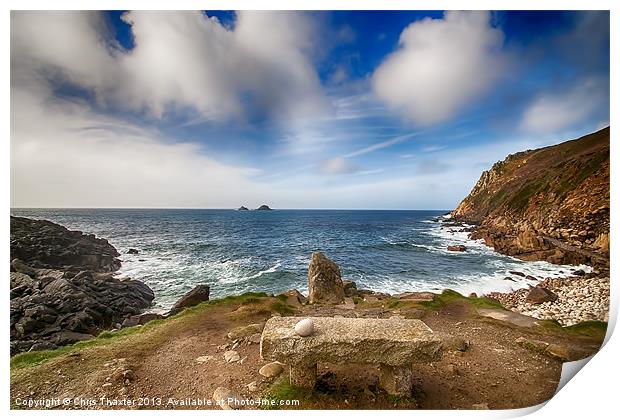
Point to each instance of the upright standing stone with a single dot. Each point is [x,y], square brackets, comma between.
[324,281]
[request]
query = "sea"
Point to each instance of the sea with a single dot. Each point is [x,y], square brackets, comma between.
[234,251]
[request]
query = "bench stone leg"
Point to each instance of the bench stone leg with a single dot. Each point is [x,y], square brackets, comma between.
[396,380]
[303,376]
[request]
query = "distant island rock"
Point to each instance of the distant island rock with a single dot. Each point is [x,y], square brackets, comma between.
[264,207]
[243,208]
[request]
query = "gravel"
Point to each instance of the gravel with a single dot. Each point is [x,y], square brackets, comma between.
[579,299]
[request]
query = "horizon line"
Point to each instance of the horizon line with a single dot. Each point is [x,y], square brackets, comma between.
[217,208]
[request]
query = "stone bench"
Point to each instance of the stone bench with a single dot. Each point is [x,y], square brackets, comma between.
[395,344]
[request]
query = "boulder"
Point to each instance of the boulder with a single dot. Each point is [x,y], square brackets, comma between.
[271,370]
[195,296]
[350,288]
[517,273]
[324,281]
[133,251]
[294,297]
[264,207]
[243,208]
[231,356]
[457,248]
[539,295]
[225,398]
[579,273]
[20,267]
[141,319]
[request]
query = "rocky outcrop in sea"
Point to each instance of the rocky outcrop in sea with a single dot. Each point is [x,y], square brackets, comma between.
[62,286]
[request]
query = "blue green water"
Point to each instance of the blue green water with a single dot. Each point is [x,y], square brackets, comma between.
[236,251]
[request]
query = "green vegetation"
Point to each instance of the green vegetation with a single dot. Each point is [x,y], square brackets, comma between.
[447,296]
[282,390]
[283,308]
[357,300]
[596,329]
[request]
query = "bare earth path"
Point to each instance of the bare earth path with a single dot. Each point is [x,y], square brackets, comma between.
[482,363]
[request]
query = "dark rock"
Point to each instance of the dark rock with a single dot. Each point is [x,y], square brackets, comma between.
[42,345]
[509,278]
[530,277]
[133,251]
[324,281]
[141,319]
[68,296]
[264,207]
[243,208]
[43,244]
[294,297]
[457,248]
[517,273]
[350,288]
[195,296]
[20,267]
[539,295]
[579,273]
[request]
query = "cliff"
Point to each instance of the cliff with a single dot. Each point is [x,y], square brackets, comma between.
[546,204]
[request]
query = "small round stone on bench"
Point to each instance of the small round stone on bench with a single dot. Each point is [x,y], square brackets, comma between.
[305,327]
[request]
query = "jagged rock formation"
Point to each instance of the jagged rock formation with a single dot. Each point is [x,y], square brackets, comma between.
[324,282]
[264,207]
[43,244]
[550,203]
[195,296]
[62,290]
[243,208]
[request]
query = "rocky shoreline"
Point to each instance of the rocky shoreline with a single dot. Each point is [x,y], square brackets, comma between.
[577,298]
[63,288]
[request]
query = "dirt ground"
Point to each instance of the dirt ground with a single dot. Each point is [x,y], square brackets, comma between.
[488,367]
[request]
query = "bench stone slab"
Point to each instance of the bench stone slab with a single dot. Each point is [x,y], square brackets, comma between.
[394,343]
[391,341]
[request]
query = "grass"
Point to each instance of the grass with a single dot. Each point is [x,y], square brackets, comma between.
[447,296]
[282,390]
[596,329]
[34,358]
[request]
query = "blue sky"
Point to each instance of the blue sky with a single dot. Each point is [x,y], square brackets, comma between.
[348,109]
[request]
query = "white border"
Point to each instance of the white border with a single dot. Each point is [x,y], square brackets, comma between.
[591,395]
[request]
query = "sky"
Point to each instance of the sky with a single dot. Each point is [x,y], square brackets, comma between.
[346,109]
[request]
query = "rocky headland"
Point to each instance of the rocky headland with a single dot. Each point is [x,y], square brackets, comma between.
[546,204]
[62,286]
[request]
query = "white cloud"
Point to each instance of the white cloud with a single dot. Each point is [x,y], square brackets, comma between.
[440,66]
[181,60]
[552,112]
[64,155]
[338,166]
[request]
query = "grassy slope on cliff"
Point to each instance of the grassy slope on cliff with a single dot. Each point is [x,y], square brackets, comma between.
[536,178]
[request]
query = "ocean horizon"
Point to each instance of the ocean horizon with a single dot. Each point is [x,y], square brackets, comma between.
[233,251]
